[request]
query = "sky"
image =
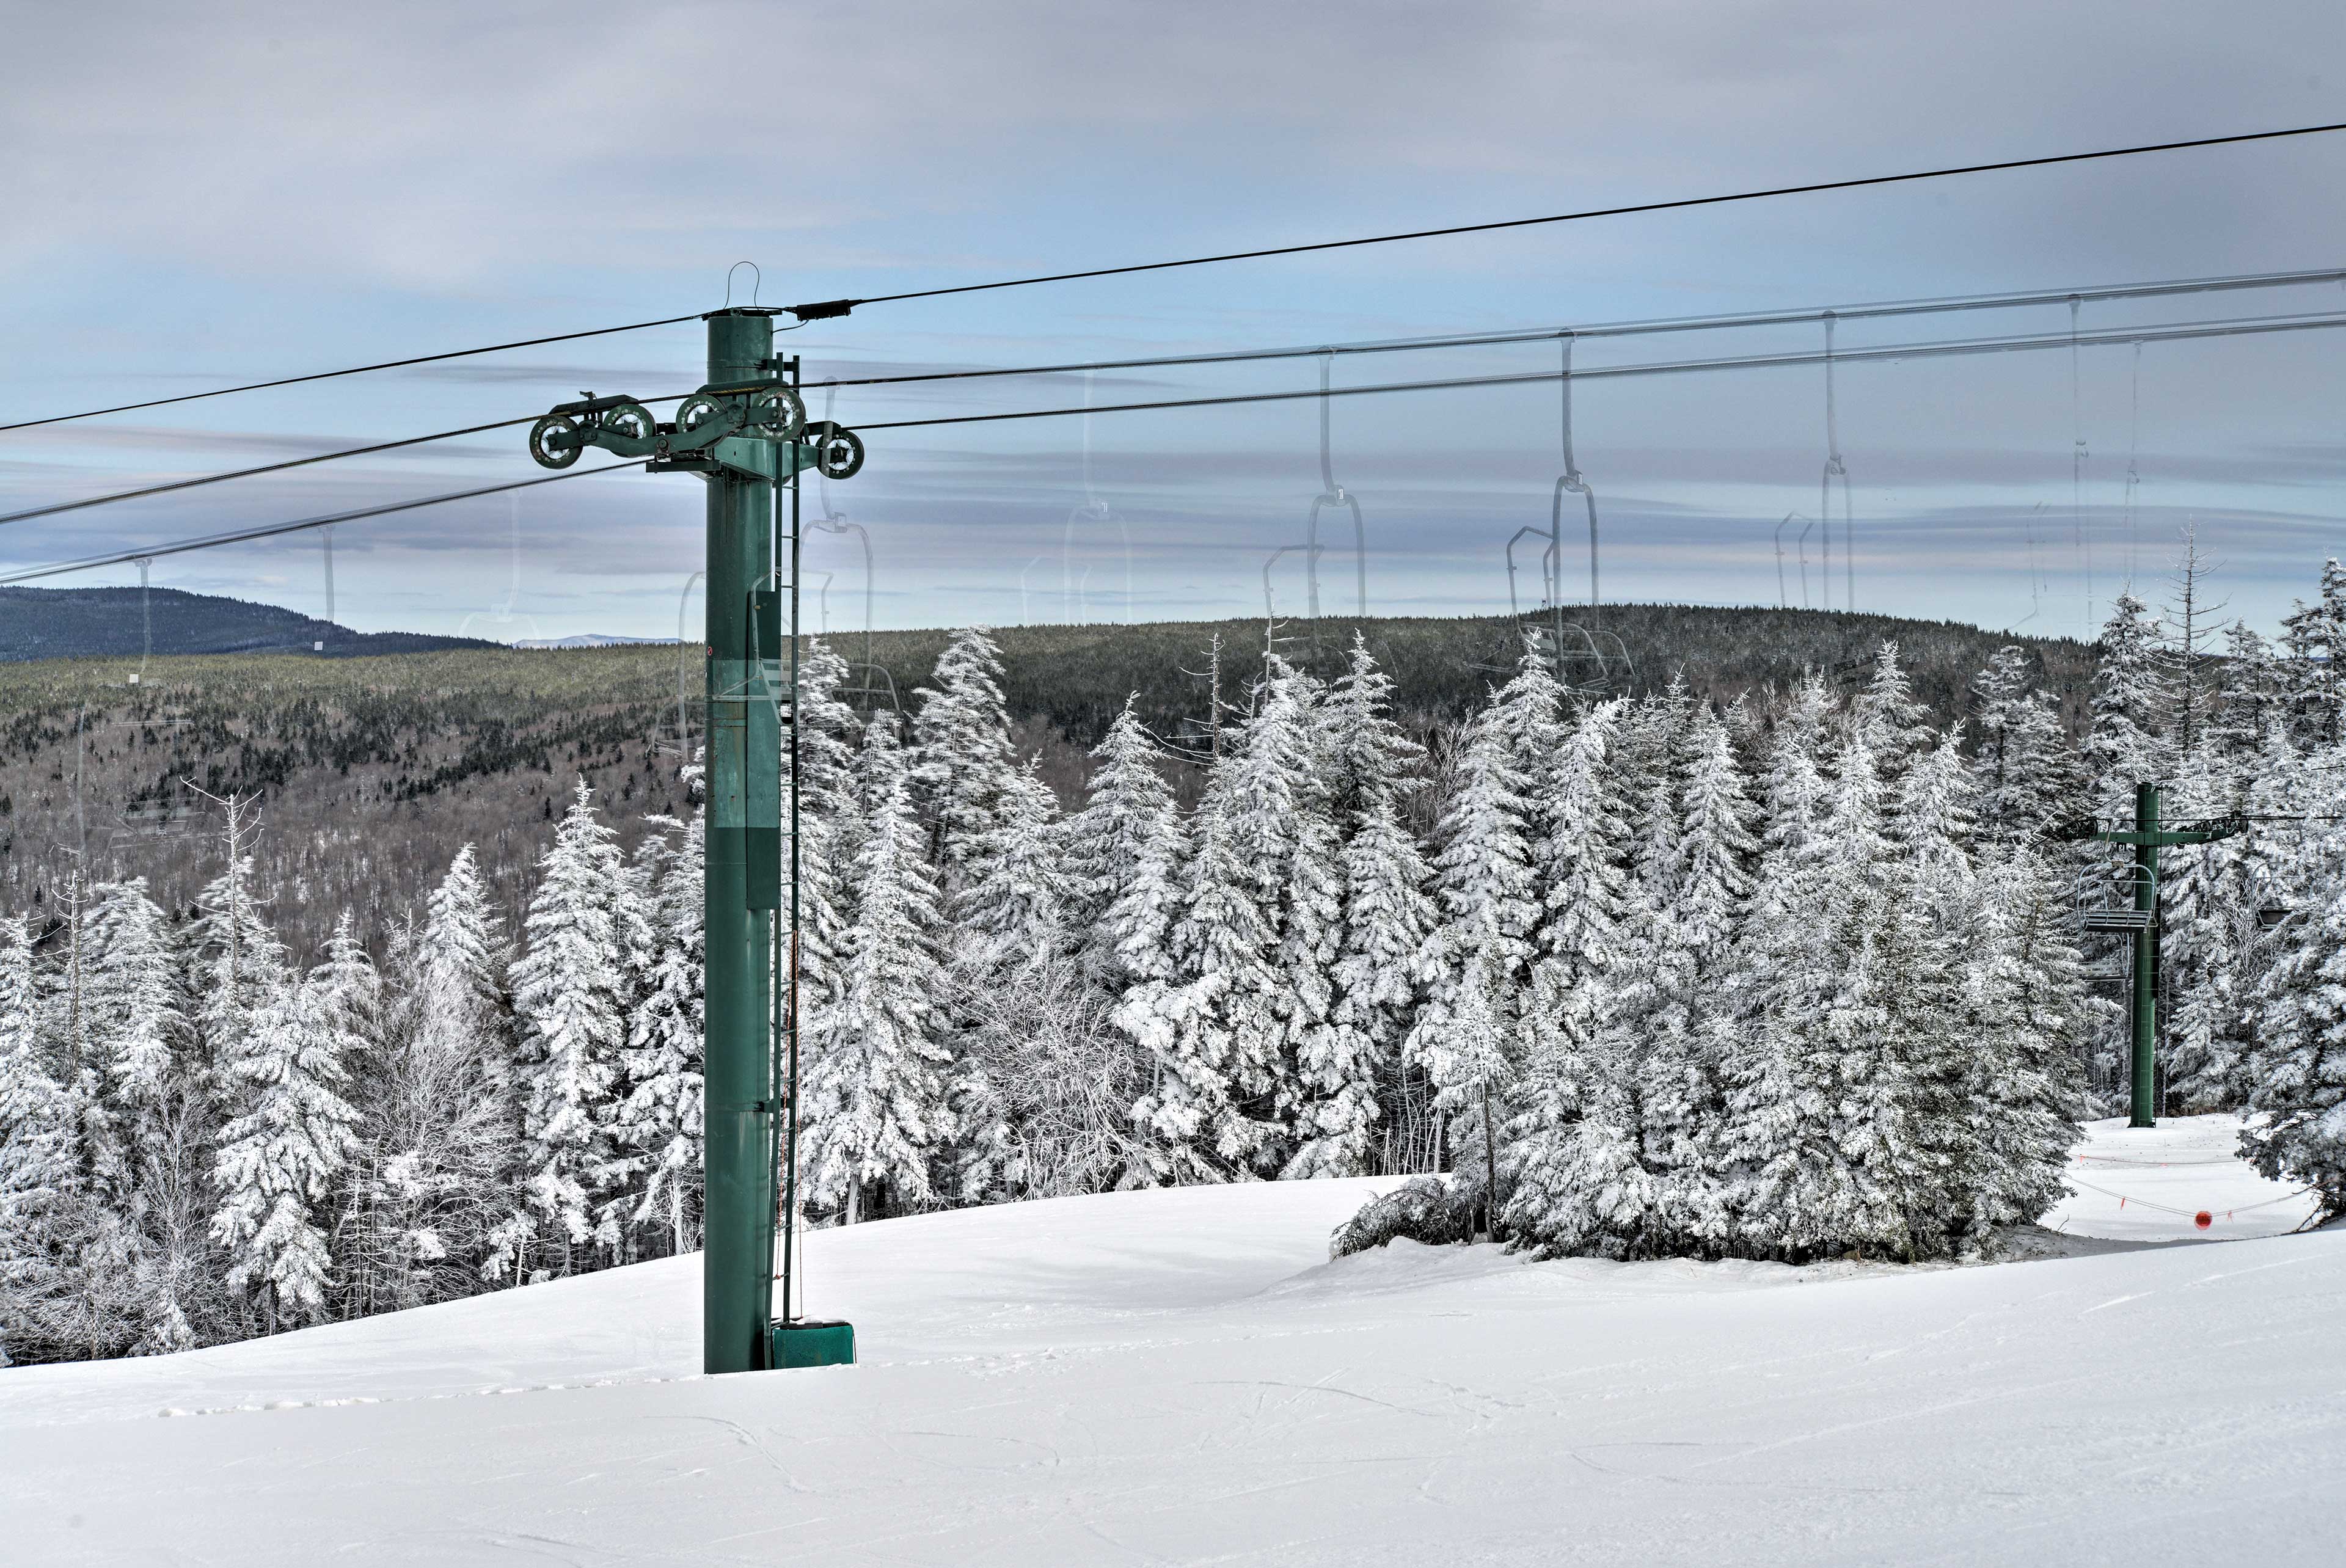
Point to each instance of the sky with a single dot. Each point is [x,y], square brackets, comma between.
[205,196]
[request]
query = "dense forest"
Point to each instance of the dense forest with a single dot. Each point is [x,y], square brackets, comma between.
[373,770]
[1793,974]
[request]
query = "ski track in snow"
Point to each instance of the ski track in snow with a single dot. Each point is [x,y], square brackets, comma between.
[1180,1377]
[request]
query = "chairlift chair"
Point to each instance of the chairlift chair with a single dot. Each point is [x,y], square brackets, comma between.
[1333,494]
[502,615]
[1836,468]
[867,692]
[2094,892]
[1093,511]
[1270,615]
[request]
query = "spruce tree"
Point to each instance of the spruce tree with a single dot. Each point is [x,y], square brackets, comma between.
[281,1154]
[1253,949]
[2297,1130]
[139,1010]
[2201,908]
[460,966]
[571,999]
[437,1176]
[1812,1144]
[963,770]
[662,1119]
[1020,896]
[1122,852]
[1584,894]
[1476,959]
[2026,774]
[240,964]
[1892,721]
[1703,886]
[828,735]
[871,1091]
[1202,1024]
[1387,919]
[2247,693]
[2028,1019]
[37,1160]
[2126,746]
[1368,761]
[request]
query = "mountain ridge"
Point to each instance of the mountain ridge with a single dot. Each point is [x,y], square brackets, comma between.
[126,622]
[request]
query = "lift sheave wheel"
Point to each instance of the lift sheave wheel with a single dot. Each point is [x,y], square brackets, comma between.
[542,447]
[838,450]
[779,412]
[632,420]
[695,411]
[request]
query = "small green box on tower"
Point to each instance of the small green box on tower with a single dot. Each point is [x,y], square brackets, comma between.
[807,1343]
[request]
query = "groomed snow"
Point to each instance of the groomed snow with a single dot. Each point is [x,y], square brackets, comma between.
[1181,1377]
[2149,1184]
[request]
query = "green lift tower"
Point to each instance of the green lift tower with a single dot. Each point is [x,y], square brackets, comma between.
[2140,924]
[746,434]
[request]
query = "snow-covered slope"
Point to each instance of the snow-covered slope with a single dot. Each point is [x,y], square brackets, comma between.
[1181,1377]
[2151,1183]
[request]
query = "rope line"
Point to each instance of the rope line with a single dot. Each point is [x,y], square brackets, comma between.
[2125,1198]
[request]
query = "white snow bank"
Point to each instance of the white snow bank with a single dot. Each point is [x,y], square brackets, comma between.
[1181,1377]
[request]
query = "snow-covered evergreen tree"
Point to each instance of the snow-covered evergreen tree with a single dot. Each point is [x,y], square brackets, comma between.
[964,768]
[1254,949]
[1886,713]
[242,965]
[37,1174]
[2027,1022]
[2247,693]
[460,966]
[1123,850]
[281,1154]
[2026,773]
[1814,1143]
[441,1143]
[1368,758]
[2204,920]
[1019,894]
[871,1090]
[139,1029]
[1583,863]
[2297,1131]
[1387,921]
[1204,1024]
[1475,958]
[571,998]
[1701,880]
[829,735]
[2125,745]
[662,1119]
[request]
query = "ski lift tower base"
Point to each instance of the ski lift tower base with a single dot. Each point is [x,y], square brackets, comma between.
[810,1343]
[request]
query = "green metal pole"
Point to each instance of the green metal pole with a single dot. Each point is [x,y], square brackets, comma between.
[793,772]
[737,1260]
[2146,951]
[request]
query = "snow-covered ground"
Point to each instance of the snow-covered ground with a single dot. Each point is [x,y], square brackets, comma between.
[2151,1183]
[1181,1377]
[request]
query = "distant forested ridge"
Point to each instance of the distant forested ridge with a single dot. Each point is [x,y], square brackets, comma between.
[373,771]
[82,622]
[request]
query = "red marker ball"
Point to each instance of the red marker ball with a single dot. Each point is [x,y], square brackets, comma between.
[2203,1219]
